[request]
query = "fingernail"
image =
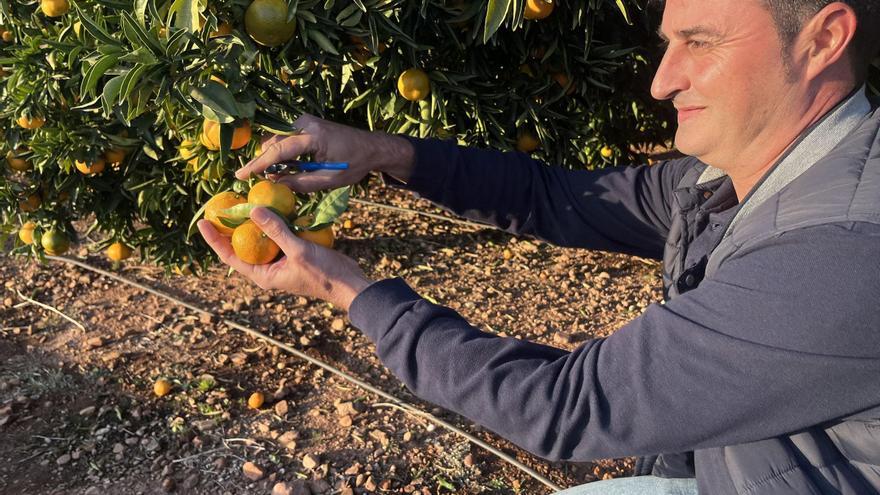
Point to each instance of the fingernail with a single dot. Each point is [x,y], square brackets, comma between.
[259,215]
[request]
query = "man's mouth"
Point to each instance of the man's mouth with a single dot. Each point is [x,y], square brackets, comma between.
[685,113]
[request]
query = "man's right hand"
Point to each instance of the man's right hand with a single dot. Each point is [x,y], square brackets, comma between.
[328,141]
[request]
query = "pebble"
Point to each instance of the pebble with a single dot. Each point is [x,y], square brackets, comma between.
[338,324]
[191,481]
[252,471]
[345,421]
[239,358]
[64,459]
[168,485]
[281,408]
[94,342]
[469,460]
[309,461]
[87,411]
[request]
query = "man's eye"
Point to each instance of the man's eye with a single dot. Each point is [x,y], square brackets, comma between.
[697,44]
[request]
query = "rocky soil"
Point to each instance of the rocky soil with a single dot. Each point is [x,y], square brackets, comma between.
[78,414]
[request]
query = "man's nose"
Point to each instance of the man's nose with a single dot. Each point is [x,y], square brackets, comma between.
[671,77]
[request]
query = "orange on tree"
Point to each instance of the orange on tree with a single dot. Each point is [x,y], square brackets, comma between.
[255,401]
[527,142]
[162,387]
[34,122]
[8,36]
[222,30]
[188,153]
[26,232]
[266,22]
[606,152]
[273,195]
[114,156]
[322,237]
[96,167]
[253,246]
[413,84]
[54,8]
[16,163]
[210,137]
[31,203]
[222,201]
[118,251]
[55,242]
[562,79]
[537,9]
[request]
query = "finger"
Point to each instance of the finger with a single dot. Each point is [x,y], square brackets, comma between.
[286,149]
[274,227]
[223,247]
[308,182]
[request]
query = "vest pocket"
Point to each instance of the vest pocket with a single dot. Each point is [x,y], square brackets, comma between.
[858,440]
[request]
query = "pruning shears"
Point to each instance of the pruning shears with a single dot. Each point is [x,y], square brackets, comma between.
[293,167]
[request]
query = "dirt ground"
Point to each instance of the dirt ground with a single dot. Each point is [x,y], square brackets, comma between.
[77,409]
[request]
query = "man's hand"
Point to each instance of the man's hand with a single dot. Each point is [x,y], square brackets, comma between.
[363,150]
[306,269]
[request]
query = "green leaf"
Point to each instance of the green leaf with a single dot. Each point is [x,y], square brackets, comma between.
[140,56]
[140,11]
[94,74]
[623,11]
[131,80]
[219,99]
[333,204]
[495,15]
[94,29]
[110,93]
[322,41]
[187,15]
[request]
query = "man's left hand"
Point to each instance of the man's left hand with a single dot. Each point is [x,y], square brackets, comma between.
[306,269]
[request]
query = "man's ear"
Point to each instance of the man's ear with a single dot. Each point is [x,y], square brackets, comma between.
[825,39]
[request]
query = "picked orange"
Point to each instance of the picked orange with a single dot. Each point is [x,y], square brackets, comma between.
[253,246]
[273,195]
[322,237]
[222,201]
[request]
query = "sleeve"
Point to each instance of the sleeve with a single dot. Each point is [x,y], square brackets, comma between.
[782,337]
[622,209]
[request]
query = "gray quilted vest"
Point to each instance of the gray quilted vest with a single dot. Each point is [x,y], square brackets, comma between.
[841,183]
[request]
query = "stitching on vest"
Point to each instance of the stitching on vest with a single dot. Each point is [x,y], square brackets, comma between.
[858,187]
[770,477]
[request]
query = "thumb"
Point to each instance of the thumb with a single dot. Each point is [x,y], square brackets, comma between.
[274,227]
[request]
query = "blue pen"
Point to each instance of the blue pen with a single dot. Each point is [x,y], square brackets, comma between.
[291,167]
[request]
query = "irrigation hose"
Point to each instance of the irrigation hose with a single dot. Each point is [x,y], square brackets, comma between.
[406,407]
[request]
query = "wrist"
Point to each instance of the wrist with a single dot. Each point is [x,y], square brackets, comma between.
[395,157]
[345,291]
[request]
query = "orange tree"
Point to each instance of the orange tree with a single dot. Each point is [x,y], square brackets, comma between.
[131,114]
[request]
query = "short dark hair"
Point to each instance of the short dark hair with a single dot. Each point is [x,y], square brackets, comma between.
[791,15]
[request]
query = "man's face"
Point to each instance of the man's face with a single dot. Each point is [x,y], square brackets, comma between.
[724,72]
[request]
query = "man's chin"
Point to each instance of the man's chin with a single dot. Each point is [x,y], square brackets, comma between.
[688,144]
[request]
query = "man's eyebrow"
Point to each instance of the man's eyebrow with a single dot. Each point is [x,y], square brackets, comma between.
[691,32]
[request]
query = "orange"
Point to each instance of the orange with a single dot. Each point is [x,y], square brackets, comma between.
[527,142]
[221,201]
[118,251]
[562,79]
[30,204]
[16,163]
[537,9]
[55,242]
[413,84]
[222,30]
[322,237]
[606,152]
[8,36]
[211,135]
[188,153]
[54,8]
[266,22]
[31,123]
[162,387]
[26,233]
[252,246]
[114,155]
[255,401]
[273,195]
[93,168]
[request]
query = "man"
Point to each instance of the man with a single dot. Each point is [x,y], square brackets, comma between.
[761,372]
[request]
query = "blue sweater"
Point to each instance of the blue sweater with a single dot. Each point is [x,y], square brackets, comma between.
[784,335]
